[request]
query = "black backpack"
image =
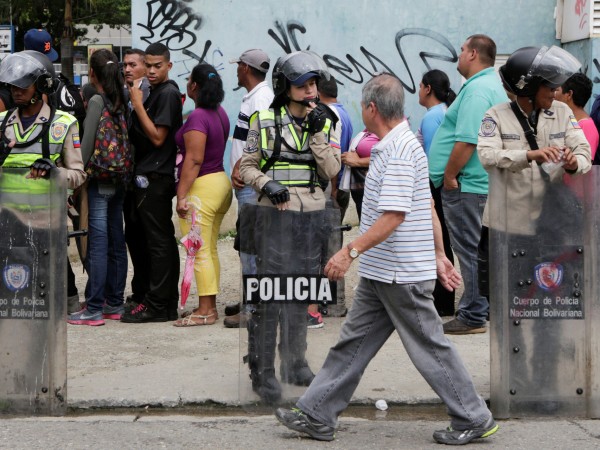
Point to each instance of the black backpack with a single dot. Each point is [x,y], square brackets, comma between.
[68,98]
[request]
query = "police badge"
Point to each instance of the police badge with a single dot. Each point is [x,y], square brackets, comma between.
[16,277]
[548,275]
[58,130]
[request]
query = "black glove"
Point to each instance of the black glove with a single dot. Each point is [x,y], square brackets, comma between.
[317,117]
[44,164]
[276,192]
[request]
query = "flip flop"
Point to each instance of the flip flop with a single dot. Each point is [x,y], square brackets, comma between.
[188,321]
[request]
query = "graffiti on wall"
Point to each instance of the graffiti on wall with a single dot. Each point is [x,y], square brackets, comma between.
[176,25]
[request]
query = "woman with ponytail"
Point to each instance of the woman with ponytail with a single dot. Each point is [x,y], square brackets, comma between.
[203,184]
[106,256]
[436,95]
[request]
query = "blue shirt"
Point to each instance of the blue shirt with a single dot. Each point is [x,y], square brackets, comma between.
[431,122]
[347,131]
[398,181]
[461,124]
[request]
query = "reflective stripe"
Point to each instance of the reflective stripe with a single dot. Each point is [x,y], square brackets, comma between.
[295,167]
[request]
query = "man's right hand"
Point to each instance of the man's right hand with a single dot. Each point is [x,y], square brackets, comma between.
[236,180]
[546,154]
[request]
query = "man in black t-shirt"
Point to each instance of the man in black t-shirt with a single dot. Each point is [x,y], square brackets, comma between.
[153,127]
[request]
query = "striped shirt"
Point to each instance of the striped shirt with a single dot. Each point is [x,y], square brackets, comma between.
[398,180]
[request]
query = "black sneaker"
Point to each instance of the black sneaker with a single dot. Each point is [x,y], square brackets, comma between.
[142,314]
[296,420]
[462,437]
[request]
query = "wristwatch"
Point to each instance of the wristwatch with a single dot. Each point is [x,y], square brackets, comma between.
[353,252]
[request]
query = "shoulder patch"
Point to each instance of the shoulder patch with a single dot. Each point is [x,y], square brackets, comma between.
[251,142]
[58,130]
[488,127]
[574,121]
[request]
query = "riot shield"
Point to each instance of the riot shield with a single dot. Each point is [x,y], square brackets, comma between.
[544,296]
[33,334]
[290,250]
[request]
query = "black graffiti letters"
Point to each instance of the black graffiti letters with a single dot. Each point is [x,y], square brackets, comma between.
[290,30]
[358,70]
[172,23]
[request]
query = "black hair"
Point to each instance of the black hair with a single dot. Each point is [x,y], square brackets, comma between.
[88,90]
[257,73]
[210,86]
[581,86]
[135,51]
[328,87]
[105,65]
[158,49]
[440,85]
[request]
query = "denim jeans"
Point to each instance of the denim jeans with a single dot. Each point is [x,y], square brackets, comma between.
[106,261]
[463,212]
[379,309]
[246,196]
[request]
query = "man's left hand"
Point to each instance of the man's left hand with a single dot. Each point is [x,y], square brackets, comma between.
[450,183]
[338,265]
[447,274]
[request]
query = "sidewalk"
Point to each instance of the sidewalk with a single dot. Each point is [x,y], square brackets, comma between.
[157,364]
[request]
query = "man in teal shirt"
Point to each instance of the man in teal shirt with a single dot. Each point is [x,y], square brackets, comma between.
[454,168]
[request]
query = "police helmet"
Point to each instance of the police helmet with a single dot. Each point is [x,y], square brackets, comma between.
[530,67]
[25,68]
[295,68]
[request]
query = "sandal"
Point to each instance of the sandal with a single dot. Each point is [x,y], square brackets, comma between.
[189,313]
[189,321]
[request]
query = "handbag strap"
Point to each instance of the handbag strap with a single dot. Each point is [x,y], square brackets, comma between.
[529,134]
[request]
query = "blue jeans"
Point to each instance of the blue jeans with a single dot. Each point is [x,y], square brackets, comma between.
[106,261]
[246,196]
[463,212]
[378,310]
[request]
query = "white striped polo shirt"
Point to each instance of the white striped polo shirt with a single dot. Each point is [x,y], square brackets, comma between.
[398,180]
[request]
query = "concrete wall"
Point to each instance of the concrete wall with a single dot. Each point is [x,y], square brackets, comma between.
[355,37]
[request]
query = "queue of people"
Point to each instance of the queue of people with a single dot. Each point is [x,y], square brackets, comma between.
[288,146]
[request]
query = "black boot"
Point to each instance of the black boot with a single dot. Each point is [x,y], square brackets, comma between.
[262,335]
[292,347]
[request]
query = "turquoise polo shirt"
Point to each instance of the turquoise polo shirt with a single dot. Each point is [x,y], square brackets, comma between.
[461,124]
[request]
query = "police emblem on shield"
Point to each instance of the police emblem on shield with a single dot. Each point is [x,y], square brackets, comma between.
[548,275]
[58,130]
[16,277]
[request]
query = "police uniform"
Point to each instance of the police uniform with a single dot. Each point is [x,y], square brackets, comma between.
[311,157]
[300,164]
[502,146]
[64,143]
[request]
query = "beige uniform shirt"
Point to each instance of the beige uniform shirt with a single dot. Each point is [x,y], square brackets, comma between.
[502,149]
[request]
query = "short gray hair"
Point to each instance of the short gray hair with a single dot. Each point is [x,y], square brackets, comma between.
[386,92]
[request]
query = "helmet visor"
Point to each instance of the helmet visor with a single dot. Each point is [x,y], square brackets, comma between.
[19,70]
[296,65]
[554,65]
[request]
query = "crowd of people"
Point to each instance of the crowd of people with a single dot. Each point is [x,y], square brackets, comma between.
[421,198]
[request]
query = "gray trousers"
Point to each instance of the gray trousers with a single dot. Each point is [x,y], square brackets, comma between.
[377,310]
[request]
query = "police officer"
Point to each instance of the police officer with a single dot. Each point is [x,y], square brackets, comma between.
[289,151]
[532,75]
[34,134]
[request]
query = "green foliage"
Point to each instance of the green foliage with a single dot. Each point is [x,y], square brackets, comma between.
[49,14]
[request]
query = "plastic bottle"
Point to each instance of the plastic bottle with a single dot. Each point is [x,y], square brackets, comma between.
[550,167]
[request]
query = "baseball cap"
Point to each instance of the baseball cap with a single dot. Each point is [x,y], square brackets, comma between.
[40,41]
[254,58]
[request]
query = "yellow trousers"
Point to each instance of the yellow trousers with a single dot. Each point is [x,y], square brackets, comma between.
[215,193]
